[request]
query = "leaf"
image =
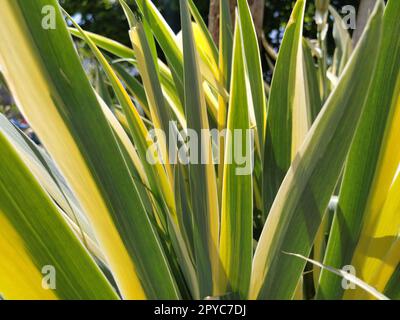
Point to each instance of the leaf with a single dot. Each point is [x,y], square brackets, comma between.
[392,286]
[101,87]
[158,178]
[372,164]
[34,237]
[383,273]
[208,67]
[128,55]
[160,116]
[236,241]
[167,41]
[305,193]
[56,97]
[204,30]
[288,119]
[161,121]
[225,66]
[159,113]
[311,83]
[344,44]
[133,86]
[254,69]
[202,178]
[105,43]
[347,276]
[49,177]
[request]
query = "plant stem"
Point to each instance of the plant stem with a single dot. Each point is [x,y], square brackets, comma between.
[323,66]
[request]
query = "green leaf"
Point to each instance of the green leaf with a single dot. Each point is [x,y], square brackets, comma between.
[199,20]
[236,241]
[128,55]
[35,238]
[344,44]
[303,198]
[346,276]
[372,164]
[167,41]
[392,287]
[202,178]
[385,271]
[159,180]
[311,84]
[160,116]
[56,97]
[133,86]
[225,65]
[50,178]
[288,119]
[254,69]
[101,87]
[105,43]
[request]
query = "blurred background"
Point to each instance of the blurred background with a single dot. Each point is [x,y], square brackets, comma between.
[106,16]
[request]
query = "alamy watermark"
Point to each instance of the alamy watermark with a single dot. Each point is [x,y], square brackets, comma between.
[49,277]
[349,20]
[347,284]
[49,21]
[190,147]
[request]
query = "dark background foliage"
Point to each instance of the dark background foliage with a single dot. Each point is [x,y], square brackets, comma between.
[106,17]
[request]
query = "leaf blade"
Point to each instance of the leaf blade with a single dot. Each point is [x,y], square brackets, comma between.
[305,193]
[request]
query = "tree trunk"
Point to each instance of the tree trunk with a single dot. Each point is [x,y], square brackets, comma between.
[364,11]
[213,19]
[257,9]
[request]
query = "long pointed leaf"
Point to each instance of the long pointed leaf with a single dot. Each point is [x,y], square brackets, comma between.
[34,236]
[288,118]
[372,164]
[236,240]
[303,198]
[202,176]
[54,94]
